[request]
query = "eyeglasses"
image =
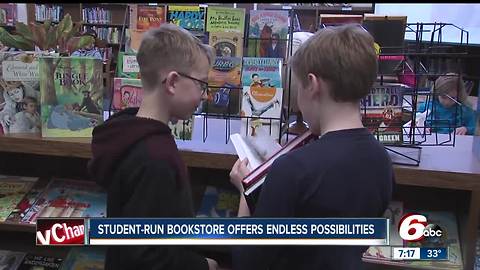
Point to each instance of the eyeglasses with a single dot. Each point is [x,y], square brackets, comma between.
[203,84]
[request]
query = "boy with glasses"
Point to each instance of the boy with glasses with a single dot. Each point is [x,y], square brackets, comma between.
[135,156]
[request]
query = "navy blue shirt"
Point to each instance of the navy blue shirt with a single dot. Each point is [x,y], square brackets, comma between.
[346,173]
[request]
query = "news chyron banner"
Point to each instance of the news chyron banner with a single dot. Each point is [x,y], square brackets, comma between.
[205,231]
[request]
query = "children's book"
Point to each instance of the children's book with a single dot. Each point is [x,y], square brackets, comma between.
[219,202]
[10,260]
[72,96]
[127,93]
[127,66]
[227,44]
[268,33]
[12,190]
[262,95]
[69,198]
[382,112]
[18,214]
[148,17]
[37,262]
[191,18]
[19,92]
[223,19]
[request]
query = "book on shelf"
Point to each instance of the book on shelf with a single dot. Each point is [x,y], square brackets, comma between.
[72,96]
[146,17]
[10,260]
[127,66]
[34,262]
[382,111]
[191,18]
[219,202]
[262,95]
[68,198]
[97,15]
[383,254]
[226,44]
[263,161]
[48,12]
[224,80]
[108,34]
[81,258]
[18,214]
[20,92]
[267,34]
[8,14]
[223,19]
[12,191]
[127,93]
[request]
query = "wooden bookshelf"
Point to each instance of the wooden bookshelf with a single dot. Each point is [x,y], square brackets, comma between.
[453,168]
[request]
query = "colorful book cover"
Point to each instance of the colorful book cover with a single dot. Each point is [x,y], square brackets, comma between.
[182,129]
[127,93]
[18,214]
[261,96]
[72,96]
[224,80]
[219,202]
[69,198]
[12,190]
[223,19]
[127,66]
[225,70]
[37,262]
[226,44]
[10,260]
[83,258]
[268,33]
[149,17]
[19,93]
[191,18]
[382,113]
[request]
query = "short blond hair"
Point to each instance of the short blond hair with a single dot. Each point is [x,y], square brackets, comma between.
[344,56]
[169,48]
[451,81]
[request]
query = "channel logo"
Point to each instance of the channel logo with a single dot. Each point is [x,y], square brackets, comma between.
[56,232]
[414,227]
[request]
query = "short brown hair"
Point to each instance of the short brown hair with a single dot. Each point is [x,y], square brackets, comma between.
[344,56]
[166,48]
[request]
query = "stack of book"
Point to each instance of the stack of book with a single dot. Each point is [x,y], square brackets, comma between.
[44,12]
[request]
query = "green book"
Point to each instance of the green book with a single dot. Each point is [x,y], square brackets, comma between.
[71,96]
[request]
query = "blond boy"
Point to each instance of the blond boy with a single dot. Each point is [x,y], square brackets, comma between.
[135,156]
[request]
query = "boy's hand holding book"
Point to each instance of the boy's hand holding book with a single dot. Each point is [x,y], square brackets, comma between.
[238,173]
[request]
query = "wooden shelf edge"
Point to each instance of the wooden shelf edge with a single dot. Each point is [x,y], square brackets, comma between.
[17,227]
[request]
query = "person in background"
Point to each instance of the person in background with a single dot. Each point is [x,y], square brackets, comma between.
[449,109]
[90,50]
